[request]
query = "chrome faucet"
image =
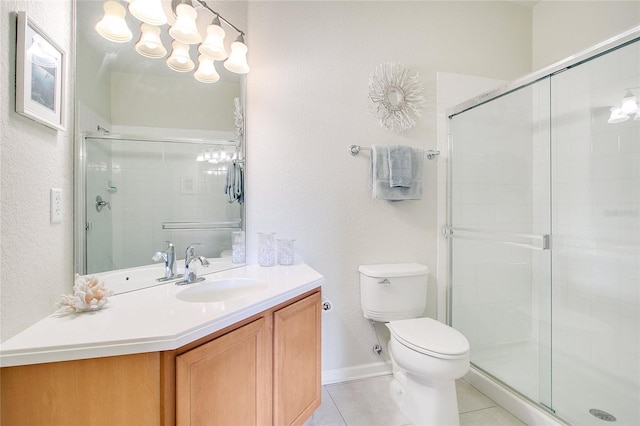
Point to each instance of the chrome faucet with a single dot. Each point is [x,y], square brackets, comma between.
[169,258]
[190,257]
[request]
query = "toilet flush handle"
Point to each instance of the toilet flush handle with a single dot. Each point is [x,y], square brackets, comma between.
[385,282]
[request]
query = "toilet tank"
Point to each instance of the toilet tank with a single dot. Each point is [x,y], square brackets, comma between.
[393,291]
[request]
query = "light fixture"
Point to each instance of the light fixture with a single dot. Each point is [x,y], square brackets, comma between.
[206,72]
[179,60]
[629,104]
[627,108]
[237,61]
[112,26]
[213,45]
[148,11]
[184,32]
[149,44]
[185,29]
[617,116]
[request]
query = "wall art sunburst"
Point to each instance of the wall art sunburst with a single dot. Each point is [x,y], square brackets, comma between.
[395,96]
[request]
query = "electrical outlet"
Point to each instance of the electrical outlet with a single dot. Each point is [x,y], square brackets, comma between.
[56,205]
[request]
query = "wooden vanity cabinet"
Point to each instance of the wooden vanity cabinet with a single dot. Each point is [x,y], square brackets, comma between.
[264,370]
[296,361]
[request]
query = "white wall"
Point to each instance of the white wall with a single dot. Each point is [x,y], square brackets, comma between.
[37,261]
[562,28]
[307,103]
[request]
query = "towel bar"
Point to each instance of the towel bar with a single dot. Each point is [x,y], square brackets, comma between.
[355,150]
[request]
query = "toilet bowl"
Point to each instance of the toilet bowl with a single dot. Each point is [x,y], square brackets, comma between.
[427,356]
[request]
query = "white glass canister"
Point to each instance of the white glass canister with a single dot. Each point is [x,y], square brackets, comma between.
[266,249]
[238,248]
[285,252]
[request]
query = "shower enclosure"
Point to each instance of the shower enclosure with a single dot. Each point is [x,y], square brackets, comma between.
[544,227]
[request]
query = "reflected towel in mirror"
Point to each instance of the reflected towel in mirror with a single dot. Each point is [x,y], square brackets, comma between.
[234,186]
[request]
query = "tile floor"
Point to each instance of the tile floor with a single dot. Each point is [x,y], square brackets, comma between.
[367,403]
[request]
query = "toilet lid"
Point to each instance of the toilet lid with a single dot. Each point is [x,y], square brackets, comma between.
[430,337]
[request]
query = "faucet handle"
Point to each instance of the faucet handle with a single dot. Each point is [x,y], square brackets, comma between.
[191,249]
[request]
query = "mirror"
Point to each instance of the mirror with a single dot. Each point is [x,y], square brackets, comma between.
[153,148]
[395,98]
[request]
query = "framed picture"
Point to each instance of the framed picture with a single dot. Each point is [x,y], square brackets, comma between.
[40,75]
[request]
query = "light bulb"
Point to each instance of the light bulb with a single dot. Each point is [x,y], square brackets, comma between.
[206,72]
[185,29]
[149,44]
[629,104]
[112,26]
[616,116]
[213,45]
[148,11]
[237,61]
[179,59]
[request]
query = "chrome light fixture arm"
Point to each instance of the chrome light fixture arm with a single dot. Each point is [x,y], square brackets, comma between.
[175,3]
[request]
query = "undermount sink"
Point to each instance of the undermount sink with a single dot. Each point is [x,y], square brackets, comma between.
[219,290]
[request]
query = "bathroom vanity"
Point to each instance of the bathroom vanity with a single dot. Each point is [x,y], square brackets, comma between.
[150,358]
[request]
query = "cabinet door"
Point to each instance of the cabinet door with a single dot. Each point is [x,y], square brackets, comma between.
[118,390]
[227,381]
[296,353]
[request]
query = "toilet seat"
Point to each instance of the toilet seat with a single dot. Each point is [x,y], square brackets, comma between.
[430,337]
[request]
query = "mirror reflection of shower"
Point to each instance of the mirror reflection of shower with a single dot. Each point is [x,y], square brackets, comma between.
[140,192]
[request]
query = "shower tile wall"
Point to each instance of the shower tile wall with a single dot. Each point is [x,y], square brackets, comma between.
[596,263]
[160,182]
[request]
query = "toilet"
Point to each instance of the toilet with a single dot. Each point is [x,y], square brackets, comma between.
[427,356]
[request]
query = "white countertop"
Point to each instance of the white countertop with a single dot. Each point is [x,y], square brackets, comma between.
[152,319]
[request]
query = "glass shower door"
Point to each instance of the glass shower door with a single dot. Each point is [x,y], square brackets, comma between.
[499,222]
[596,240]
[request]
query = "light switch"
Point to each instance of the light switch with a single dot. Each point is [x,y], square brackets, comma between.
[56,205]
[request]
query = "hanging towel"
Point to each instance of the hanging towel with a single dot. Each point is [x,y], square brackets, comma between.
[381,188]
[234,185]
[400,168]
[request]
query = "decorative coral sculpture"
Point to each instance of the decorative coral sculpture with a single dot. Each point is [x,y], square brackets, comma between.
[89,294]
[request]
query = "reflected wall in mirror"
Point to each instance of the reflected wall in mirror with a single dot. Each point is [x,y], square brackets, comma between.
[152,188]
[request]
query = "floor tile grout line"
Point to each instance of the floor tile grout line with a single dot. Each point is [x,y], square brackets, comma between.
[336,405]
[480,409]
[494,404]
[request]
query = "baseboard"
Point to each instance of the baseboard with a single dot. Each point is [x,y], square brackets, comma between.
[364,371]
[517,405]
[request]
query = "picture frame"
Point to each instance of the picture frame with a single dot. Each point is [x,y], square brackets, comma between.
[40,75]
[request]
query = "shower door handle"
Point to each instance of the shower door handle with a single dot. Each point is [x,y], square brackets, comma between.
[532,241]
